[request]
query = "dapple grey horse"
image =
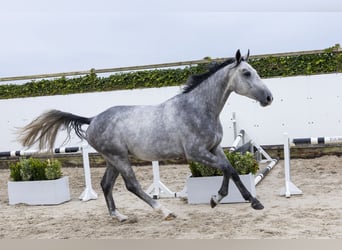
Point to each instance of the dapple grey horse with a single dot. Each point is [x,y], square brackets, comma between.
[186,125]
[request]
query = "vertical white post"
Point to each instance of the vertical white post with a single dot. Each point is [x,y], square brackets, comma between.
[157,188]
[287,165]
[156,178]
[88,193]
[290,188]
[234,124]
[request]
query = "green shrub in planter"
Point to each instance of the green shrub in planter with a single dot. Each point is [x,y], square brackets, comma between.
[243,163]
[53,170]
[15,172]
[35,170]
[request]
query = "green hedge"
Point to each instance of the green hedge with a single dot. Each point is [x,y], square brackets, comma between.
[330,61]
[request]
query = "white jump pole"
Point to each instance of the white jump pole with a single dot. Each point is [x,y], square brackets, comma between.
[290,188]
[268,168]
[318,140]
[88,193]
[237,140]
[265,171]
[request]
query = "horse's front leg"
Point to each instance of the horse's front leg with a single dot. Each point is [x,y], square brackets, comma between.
[217,159]
[230,172]
[255,203]
[223,191]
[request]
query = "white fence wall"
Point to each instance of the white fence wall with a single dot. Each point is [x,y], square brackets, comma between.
[304,106]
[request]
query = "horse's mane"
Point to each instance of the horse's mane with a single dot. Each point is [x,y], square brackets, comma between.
[195,80]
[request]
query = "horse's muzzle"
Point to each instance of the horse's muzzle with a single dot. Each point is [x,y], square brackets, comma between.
[268,101]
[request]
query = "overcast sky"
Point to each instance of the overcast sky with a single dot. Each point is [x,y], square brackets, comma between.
[40,36]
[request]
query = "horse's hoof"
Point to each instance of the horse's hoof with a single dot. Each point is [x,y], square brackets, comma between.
[118,216]
[121,219]
[257,205]
[213,202]
[128,221]
[170,216]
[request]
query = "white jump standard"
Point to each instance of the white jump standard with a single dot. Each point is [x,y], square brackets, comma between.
[158,189]
[290,188]
[88,193]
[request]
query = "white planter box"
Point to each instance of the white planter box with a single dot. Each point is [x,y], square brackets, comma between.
[50,192]
[201,189]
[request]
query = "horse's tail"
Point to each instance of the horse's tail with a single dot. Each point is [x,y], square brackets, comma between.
[45,127]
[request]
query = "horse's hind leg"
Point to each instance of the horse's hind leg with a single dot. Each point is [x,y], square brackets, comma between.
[132,185]
[107,184]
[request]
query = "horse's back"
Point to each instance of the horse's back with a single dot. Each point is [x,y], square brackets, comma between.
[148,132]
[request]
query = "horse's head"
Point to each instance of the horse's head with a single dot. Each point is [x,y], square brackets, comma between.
[244,80]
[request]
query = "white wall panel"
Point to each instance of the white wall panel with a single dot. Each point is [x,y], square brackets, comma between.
[303,106]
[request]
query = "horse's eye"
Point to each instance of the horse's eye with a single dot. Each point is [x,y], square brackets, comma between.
[246,73]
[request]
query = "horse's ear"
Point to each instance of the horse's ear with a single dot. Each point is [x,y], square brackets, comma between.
[238,57]
[247,56]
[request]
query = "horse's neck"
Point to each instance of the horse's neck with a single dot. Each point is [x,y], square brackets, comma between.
[212,94]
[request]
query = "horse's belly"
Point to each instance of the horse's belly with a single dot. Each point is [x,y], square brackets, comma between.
[152,156]
[157,150]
